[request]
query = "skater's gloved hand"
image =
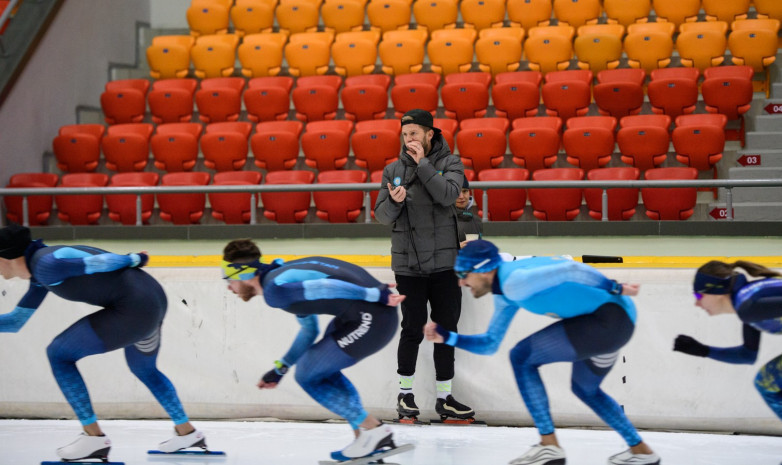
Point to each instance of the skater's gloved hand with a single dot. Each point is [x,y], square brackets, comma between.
[688,345]
[139,259]
[273,377]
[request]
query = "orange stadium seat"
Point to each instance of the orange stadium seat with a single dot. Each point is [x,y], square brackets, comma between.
[234,207]
[504,204]
[415,90]
[728,90]
[451,50]
[643,140]
[126,146]
[376,143]
[389,15]
[225,145]
[39,207]
[294,16]
[516,94]
[365,97]
[619,92]
[627,12]
[124,101]
[649,45]
[676,11]
[171,100]
[670,203]
[589,141]
[175,146]
[621,202]
[567,93]
[448,128]
[725,10]
[343,15]
[577,12]
[498,49]
[326,144]
[169,56]
[402,52]
[309,53]
[482,14]
[754,42]
[339,206]
[768,9]
[275,144]
[702,44]
[122,207]
[599,46]
[208,17]
[219,99]
[535,142]
[268,98]
[316,98]
[466,95]
[529,13]
[482,142]
[81,209]
[183,208]
[556,204]
[287,207]
[253,16]
[673,91]
[214,55]
[77,147]
[549,48]
[355,53]
[261,54]
[436,14]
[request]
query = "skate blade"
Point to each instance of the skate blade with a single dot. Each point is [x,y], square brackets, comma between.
[82,462]
[375,458]
[409,421]
[459,422]
[201,453]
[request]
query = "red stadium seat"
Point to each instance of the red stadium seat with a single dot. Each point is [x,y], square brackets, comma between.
[417,90]
[643,140]
[556,204]
[126,146]
[670,203]
[175,146]
[234,207]
[186,208]
[39,207]
[621,202]
[673,91]
[287,207]
[482,142]
[77,147]
[365,97]
[516,94]
[268,98]
[376,143]
[275,144]
[122,207]
[447,129]
[316,98]
[375,178]
[339,206]
[124,101]
[567,93]
[466,95]
[535,142]
[326,144]
[728,90]
[82,209]
[225,145]
[699,141]
[589,141]
[619,92]
[219,99]
[171,100]
[504,204]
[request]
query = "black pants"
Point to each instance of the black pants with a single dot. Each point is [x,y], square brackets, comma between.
[442,292]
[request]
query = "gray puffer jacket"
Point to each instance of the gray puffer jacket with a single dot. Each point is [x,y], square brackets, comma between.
[424,237]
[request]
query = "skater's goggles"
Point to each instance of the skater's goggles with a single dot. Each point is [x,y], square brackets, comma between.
[239,271]
[708,284]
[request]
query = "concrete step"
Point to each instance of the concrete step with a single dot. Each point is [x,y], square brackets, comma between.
[748,211]
[765,123]
[765,158]
[763,140]
[757,194]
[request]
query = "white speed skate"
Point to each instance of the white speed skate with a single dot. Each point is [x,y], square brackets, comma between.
[177,443]
[541,455]
[86,447]
[367,442]
[628,458]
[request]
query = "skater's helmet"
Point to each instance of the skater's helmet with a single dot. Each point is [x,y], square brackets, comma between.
[477,257]
[14,240]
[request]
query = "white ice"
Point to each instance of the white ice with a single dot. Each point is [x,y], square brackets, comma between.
[297,443]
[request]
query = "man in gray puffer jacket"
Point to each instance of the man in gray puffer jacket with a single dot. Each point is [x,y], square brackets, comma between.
[416,198]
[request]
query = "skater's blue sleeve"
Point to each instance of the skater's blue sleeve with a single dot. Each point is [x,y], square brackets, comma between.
[304,339]
[488,342]
[297,285]
[746,353]
[544,273]
[14,320]
[67,262]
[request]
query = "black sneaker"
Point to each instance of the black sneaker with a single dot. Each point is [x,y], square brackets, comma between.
[449,407]
[405,405]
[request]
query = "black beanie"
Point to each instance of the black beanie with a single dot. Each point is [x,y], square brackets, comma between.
[14,240]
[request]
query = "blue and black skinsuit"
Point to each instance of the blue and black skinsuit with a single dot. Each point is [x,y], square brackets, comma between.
[133,306]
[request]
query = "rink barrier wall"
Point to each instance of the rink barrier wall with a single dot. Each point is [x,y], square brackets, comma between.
[215,348]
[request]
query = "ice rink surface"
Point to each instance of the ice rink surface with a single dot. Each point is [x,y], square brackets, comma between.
[293,443]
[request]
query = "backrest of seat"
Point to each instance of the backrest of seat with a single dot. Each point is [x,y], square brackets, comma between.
[498,50]
[648,50]
[436,14]
[388,15]
[326,144]
[82,209]
[482,14]
[676,11]
[577,12]
[169,56]
[171,100]
[287,207]
[207,17]
[556,204]
[296,16]
[530,13]
[339,206]
[626,12]
[504,204]
[402,52]
[261,54]
[183,208]
[252,16]
[343,15]
[621,202]
[275,144]
[126,146]
[675,203]
[39,207]
[214,55]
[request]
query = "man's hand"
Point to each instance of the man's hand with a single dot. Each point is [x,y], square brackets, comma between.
[416,151]
[430,331]
[630,289]
[388,297]
[397,193]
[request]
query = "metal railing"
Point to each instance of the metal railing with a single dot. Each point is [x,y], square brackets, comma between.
[254,190]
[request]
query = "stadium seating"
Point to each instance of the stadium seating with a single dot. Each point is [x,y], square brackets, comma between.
[482,142]
[768,9]
[365,97]
[670,203]
[549,48]
[171,100]
[294,16]
[168,57]
[466,95]
[676,11]
[275,144]
[252,16]
[183,208]
[589,141]
[355,53]
[39,207]
[309,53]
[339,206]
[343,15]
[316,98]
[702,44]
[389,15]
[268,98]
[415,90]
[451,50]
[402,52]
[621,202]
[627,12]
[754,42]
[482,14]
[673,91]
[599,46]
[556,204]
[699,140]
[81,209]
[728,90]
[326,144]
[122,207]
[175,146]
[529,13]
[649,46]
[124,101]
[376,143]
[516,94]
[234,207]
[436,14]
[498,49]
[576,13]
[287,207]
[261,54]
[126,146]
[225,145]
[219,99]
[567,93]
[208,17]
[214,56]
[77,147]
[619,92]
[643,140]
[504,204]
[725,10]
[447,127]
[535,142]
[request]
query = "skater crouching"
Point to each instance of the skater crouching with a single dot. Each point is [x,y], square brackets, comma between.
[596,321]
[133,306]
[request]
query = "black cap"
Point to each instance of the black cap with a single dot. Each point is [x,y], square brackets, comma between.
[466,183]
[421,118]
[14,240]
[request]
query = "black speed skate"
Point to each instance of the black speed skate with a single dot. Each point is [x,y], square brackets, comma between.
[407,410]
[453,412]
